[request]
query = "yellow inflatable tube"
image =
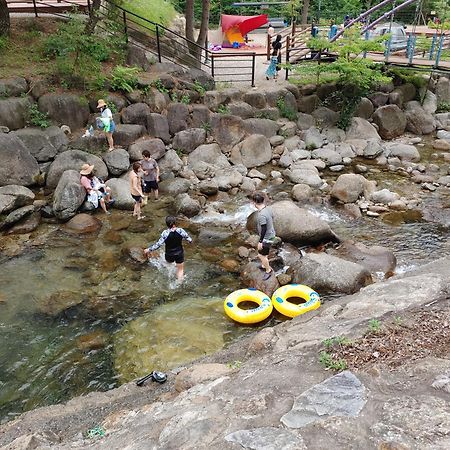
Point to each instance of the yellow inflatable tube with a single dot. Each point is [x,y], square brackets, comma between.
[281,295]
[255,315]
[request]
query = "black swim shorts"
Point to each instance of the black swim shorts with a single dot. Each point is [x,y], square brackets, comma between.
[265,249]
[137,198]
[177,258]
[150,186]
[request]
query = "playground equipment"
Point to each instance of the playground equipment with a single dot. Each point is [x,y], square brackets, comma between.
[235,28]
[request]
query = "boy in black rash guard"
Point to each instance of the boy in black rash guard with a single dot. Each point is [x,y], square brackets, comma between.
[173,239]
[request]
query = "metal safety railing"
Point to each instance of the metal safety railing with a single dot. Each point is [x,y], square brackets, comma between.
[168,45]
[162,42]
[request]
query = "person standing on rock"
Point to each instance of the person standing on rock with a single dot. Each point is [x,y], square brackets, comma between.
[107,121]
[97,192]
[150,176]
[136,190]
[266,231]
[172,237]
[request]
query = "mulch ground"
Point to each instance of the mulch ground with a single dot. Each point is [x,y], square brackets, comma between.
[411,336]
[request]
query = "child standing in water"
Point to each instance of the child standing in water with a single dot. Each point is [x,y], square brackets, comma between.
[136,190]
[172,237]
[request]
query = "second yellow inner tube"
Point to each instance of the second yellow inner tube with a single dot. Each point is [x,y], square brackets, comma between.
[281,295]
[255,315]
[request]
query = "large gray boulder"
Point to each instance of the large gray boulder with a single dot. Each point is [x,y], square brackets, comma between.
[38,143]
[305,121]
[418,121]
[361,129]
[313,139]
[170,162]
[253,151]
[443,90]
[17,165]
[391,121]
[227,130]
[176,186]
[57,137]
[402,94]
[304,174]
[136,113]
[405,152]
[328,154]
[188,140]
[186,205]
[14,112]
[375,259]
[177,116]
[228,178]
[266,127]
[117,161]
[158,127]
[126,134]
[65,109]
[155,146]
[74,159]
[325,117]
[328,274]
[241,109]
[210,154]
[13,87]
[16,216]
[296,225]
[348,187]
[69,195]
[13,197]
[120,190]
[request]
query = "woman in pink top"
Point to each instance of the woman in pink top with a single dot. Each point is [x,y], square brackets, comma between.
[96,191]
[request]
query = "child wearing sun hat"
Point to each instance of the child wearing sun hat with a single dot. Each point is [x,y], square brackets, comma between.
[107,121]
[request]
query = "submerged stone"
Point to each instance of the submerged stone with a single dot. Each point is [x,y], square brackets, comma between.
[173,334]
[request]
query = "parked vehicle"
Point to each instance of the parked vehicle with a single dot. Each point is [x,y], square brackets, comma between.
[399,37]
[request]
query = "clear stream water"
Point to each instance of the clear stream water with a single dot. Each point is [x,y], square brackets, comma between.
[127,320]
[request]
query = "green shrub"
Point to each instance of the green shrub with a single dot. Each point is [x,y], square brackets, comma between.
[79,55]
[286,111]
[443,107]
[223,109]
[199,88]
[124,78]
[36,117]
[408,76]
[329,362]
[158,84]
[3,43]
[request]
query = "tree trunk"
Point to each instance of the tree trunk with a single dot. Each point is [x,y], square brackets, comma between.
[189,14]
[94,17]
[203,34]
[305,12]
[4,18]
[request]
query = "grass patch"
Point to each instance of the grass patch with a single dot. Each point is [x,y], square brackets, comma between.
[160,11]
[21,54]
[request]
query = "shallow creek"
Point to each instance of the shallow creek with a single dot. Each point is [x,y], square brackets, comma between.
[125,320]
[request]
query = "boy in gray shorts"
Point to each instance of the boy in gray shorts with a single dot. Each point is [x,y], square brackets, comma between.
[266,231]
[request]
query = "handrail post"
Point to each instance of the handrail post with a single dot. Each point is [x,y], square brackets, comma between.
[158,45]
[433,44]
[268,46]
[89,6]
[125,29]
[253,68]
[35,8]
[439,51]
[212,64]
[287,62]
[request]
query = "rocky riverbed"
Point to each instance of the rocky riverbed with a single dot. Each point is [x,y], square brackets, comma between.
[358,213]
